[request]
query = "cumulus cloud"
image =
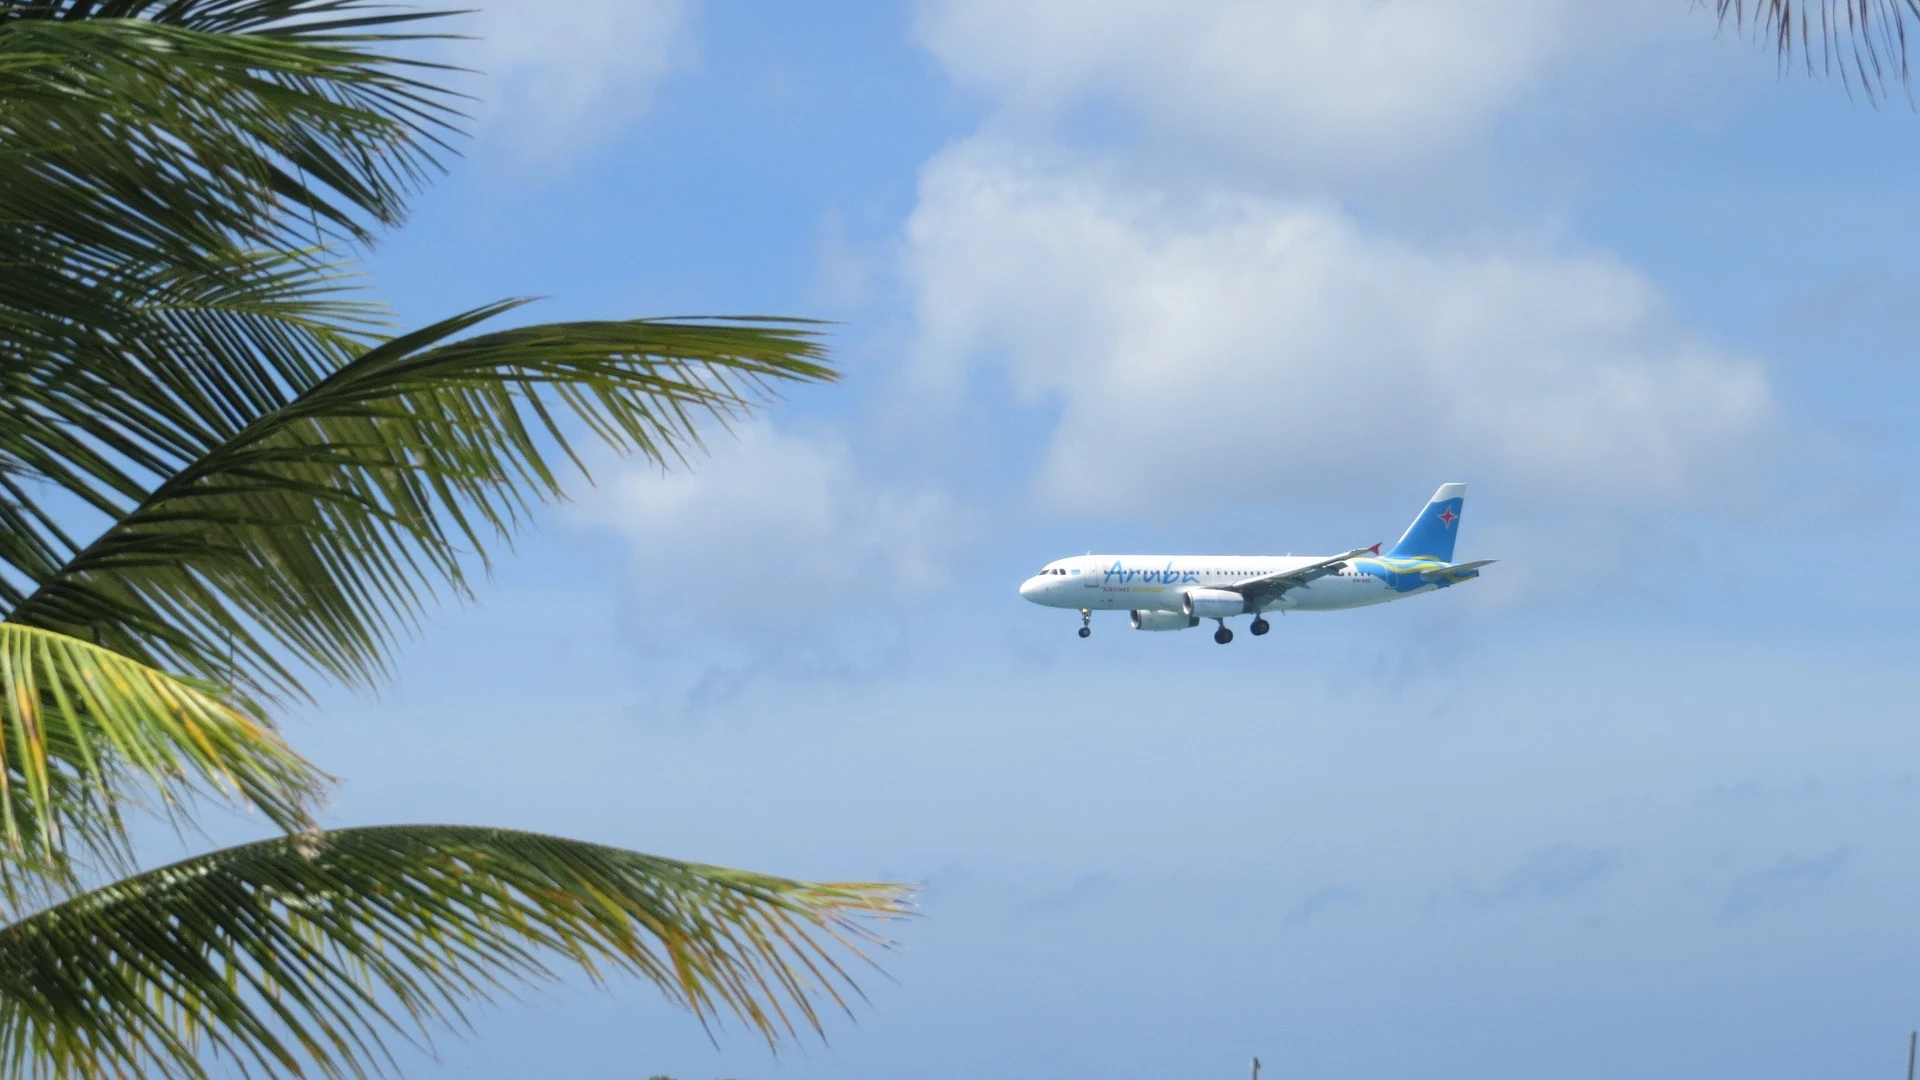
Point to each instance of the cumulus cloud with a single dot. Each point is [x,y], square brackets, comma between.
[1301,78]
[568,71]
[775,515]
[1207,350]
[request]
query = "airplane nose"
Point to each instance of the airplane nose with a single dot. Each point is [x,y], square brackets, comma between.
[1029,587]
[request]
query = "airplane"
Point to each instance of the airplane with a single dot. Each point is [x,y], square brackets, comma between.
[1174,592]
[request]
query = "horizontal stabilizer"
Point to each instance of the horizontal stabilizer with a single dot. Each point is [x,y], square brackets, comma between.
[1455,573]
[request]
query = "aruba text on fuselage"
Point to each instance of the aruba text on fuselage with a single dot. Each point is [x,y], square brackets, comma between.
[1174,592]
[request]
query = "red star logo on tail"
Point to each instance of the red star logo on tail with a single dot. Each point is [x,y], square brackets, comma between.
[1448,517]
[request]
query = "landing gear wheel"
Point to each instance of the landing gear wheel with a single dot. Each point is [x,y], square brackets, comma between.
[1086,622]
[1260,626]
[1086,631]
[1223,635]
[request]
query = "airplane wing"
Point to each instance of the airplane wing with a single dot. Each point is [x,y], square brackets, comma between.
[1272,585]
[1447,573]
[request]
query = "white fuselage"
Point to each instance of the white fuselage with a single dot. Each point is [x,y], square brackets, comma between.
[1161,582]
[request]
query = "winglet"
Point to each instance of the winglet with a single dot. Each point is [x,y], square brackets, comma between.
[1375,549]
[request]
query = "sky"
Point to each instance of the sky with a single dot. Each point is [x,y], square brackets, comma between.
[1211,276]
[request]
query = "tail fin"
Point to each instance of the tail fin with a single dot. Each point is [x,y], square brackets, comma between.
[1432,533]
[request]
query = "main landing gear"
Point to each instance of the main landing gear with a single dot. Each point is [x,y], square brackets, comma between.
[1086,622]
[1259,627]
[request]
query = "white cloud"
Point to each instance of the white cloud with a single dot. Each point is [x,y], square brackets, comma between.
[1207,351]
[566,71]
[774,509]
[1295,79]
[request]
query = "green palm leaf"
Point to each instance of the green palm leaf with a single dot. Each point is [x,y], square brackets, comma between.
[182,124]
[166,365]
[168,169]
[314,949]
[1862,41]
[319,527]
[80,725]
[272,486]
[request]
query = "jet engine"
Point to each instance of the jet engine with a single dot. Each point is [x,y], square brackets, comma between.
[1163,620]
[1213,603]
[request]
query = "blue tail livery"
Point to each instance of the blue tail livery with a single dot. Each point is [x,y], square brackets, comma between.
[1431,534]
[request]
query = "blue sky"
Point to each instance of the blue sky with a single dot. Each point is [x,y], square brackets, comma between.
[1213,276]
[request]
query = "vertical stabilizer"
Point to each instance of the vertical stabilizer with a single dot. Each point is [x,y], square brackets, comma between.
[1431,534]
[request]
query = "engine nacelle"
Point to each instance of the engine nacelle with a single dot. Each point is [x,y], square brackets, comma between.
[1213,603]
[1163,620]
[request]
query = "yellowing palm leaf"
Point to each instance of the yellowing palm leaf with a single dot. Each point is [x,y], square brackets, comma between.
[81,727]
[309,951]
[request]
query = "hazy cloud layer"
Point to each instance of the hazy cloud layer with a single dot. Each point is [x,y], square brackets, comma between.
[772,506]
[1793,878]
[1322,900]
[566,72]
[1308,79]
[1551,873]
[1221,348]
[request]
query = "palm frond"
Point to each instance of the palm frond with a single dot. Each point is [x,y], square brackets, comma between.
[229,417]
[172,182]
[284,17]
[81,726]
[318,529]
[165,366]
[1864,42]
[173,174]
[166,134]
[316,949]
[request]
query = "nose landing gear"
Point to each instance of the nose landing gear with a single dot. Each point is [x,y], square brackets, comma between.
[1086,622]
[1260,626]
